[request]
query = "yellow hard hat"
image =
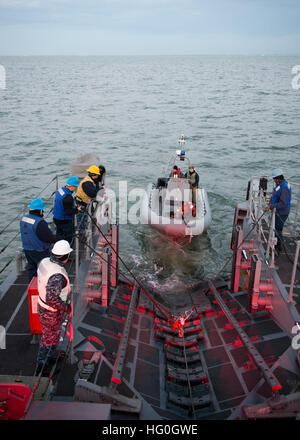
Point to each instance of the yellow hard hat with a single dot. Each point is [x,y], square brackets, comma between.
[94,170]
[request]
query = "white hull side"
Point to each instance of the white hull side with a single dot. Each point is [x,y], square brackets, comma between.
[176,228]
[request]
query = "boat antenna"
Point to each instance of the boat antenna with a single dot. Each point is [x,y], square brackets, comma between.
[181,152]
[181,141]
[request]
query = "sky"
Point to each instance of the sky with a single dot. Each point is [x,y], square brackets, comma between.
[149,27]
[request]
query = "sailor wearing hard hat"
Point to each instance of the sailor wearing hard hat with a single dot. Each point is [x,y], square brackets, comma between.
[36,236]
[53,301]
[65,209]
[281,201]
[87,191]
[89,186]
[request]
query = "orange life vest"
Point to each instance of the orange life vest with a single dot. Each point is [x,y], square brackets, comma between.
[176,172]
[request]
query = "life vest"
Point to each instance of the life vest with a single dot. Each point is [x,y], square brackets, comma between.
[81,196]
[58,210]
[176,173]
[45,270]
[276,197]
[30,240]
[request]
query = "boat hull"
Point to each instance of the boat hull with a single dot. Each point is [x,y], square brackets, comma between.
[176,227]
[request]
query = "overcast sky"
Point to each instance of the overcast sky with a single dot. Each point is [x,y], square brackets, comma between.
[146,27]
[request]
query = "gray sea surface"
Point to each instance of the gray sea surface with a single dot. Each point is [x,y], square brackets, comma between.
[240,116]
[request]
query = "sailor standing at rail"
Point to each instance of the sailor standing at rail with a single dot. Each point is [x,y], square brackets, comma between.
[53,302]
[87,191]
[36,236]
[281,200]
[65,209]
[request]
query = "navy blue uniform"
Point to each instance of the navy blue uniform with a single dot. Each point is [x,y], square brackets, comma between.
[281,200]
[63,214]
[36,239]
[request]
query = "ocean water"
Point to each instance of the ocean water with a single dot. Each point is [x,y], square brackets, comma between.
[240,117]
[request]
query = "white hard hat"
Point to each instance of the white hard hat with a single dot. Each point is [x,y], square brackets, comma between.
[61,247]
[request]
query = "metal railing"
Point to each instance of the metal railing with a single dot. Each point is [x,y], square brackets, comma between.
[18,255]
[259,196]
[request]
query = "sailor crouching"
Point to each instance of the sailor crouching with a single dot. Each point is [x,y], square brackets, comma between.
[53,302]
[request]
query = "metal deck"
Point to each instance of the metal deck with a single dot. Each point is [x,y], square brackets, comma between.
[227,359]
[229,376]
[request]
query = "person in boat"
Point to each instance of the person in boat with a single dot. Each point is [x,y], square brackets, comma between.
[193,178]
[53,302]
[176,172]
[87,191]
[281,201]
[65,209]
[36,236]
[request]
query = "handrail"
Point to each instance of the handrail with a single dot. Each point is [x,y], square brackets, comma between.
[258,199]
[291,291]
[5,247]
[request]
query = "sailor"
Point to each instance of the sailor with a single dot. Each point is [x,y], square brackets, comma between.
[53,301]
[193,178]
[87,191]
[65,209]
[281,201]
[36,236]
[175,172]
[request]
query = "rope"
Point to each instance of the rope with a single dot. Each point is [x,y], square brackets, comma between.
[52,372]
[7,264]
[188,378]
[157,304]
[37,382]
[183,244]
[6,246]
[18,216]
[4,229]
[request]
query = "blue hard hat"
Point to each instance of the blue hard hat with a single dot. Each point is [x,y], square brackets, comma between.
[277,172]
[37,204]
[72,181]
